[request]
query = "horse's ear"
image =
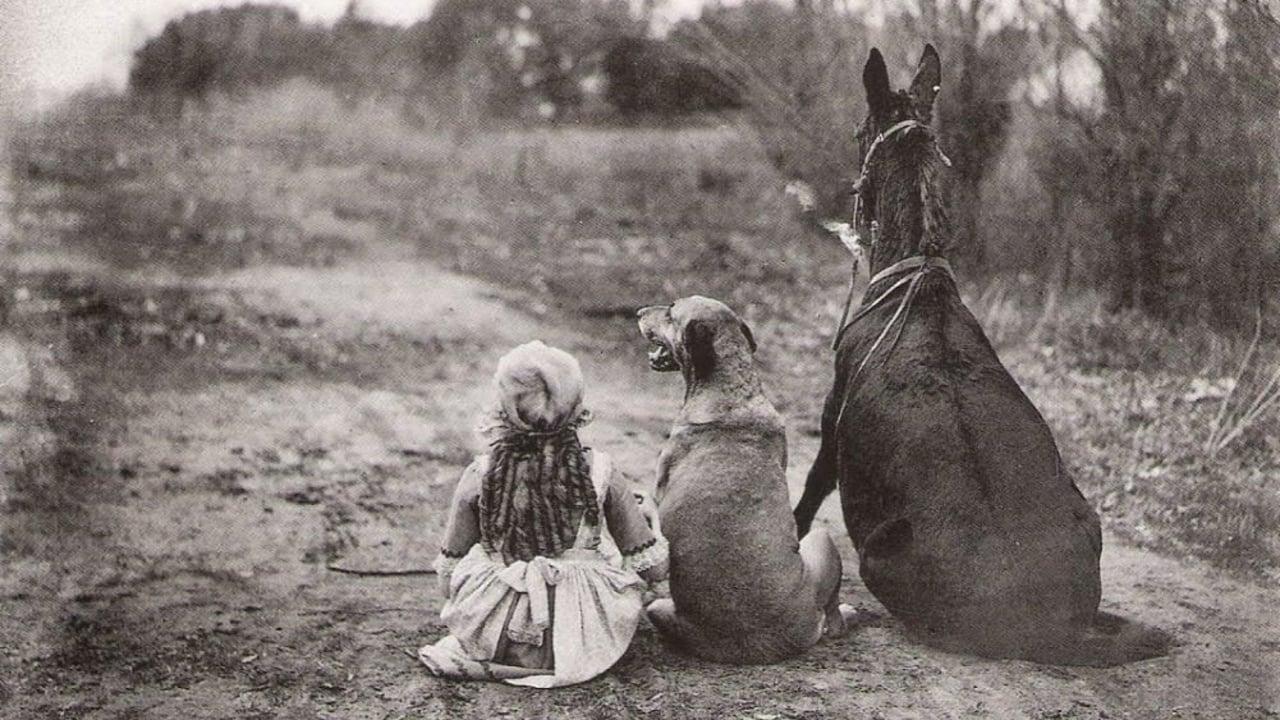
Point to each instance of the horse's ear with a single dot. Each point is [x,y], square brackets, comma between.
[875,81]
[926,84]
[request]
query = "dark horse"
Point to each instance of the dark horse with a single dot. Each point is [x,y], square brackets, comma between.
[968,528]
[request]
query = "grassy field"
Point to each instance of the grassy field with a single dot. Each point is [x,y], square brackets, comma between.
[249,344]
[594,223]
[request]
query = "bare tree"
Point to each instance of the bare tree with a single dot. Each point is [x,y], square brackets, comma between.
[1180,130]
[795,71]
[986,56]
[792,69]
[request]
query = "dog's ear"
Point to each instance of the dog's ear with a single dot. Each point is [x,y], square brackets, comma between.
[746,330]
[698,341]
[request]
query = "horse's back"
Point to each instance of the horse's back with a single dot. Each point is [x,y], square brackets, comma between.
[953,489]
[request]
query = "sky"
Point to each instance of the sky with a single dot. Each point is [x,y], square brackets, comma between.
[49,48]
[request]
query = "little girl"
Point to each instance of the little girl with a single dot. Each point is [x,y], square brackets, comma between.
[546,551]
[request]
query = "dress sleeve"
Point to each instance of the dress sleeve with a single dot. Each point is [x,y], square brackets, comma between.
[463,528]
[640,540]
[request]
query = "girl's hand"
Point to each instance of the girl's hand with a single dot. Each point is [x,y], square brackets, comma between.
[654,591]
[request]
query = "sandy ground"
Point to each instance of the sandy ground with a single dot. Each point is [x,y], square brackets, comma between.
[182,460]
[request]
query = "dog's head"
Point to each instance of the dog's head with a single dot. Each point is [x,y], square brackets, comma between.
[693,335]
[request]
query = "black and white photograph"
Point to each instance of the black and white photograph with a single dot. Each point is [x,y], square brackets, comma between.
[640,359]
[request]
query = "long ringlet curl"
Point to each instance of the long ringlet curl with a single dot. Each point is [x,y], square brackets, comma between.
[535,494]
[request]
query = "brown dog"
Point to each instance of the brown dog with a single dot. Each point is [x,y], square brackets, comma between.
[743,590]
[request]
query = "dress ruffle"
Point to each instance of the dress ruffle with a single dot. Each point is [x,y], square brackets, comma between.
[597,608]
[651,555]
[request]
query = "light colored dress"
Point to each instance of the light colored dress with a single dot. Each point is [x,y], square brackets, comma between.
[575,614]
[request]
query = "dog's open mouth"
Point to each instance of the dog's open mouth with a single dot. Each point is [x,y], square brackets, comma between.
[661,359]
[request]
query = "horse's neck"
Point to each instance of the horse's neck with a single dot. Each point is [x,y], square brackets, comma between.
[905,221]
[886,253]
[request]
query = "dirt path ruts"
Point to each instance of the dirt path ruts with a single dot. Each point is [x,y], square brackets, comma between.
[218,488]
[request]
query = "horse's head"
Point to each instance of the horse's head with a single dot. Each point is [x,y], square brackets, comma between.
[899,160]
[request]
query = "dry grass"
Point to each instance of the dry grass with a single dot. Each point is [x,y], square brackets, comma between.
[1232,422]
[597,222]
[1133,404]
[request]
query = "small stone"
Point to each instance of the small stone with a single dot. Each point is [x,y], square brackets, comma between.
[1109,502]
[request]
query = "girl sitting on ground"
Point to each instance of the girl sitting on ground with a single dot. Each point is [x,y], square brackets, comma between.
[546,551]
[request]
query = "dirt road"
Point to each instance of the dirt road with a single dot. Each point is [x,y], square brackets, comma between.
[181,460]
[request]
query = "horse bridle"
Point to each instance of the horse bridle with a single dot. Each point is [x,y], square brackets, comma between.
[918,266]
[896,268]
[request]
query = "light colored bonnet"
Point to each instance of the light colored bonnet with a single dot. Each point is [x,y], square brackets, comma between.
[539,389]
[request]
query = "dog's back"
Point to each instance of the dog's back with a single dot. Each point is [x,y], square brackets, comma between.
[736,572]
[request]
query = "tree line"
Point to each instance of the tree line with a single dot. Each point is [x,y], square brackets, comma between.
[1134,149]
[507,59]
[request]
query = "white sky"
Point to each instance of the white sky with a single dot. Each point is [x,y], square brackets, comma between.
[55,46]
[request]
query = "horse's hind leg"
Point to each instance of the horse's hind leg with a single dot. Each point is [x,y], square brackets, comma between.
[822,476]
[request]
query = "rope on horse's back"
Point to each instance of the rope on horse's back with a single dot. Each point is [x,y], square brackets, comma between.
[919,266]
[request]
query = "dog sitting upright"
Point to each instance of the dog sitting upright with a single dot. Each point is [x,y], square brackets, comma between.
[743,590]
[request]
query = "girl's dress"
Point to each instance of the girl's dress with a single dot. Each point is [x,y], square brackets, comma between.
[564,619]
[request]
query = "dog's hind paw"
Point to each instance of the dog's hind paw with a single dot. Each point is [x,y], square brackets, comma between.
[843,621]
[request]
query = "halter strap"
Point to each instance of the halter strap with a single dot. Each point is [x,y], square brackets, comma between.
[901,265]
[922,264]
[890,132]
[918,266]
[912,263]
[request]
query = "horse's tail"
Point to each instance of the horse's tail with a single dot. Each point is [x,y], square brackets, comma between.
[887,569]
[1107,641]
